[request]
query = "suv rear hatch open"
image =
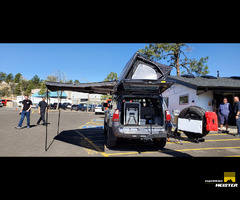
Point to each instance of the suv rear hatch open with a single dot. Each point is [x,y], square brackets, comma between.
[143,87]
[143,76]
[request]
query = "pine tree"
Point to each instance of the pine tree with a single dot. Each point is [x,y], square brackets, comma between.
[172,52]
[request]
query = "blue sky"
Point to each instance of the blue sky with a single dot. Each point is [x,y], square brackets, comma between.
[93,62]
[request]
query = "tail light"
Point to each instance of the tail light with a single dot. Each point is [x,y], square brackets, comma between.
[116,116]
[168,117]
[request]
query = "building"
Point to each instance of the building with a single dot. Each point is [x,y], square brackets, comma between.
[206,91]
[80,97]
[68,96]
[53,97]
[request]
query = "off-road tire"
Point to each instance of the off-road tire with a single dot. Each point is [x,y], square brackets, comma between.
[197,113]
[105,128]
[111,138]
[160,142]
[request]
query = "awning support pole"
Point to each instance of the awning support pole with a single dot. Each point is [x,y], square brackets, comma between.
[46,122]
[59,113]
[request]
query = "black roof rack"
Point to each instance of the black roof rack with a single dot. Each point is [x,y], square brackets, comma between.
[188,76]
[209,77]
[235,77]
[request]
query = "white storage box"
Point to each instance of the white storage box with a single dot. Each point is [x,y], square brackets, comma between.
[131,113]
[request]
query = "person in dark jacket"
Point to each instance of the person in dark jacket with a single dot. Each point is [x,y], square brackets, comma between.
[224,112]
[42,105]
[237,114]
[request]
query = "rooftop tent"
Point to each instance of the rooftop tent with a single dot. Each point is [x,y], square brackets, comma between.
[143,76]
[139,67]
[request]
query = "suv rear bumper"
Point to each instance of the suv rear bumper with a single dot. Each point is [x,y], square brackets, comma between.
[138,132]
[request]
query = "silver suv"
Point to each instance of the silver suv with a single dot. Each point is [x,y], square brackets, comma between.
[137,110]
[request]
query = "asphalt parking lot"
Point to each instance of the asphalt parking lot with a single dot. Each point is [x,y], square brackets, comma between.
[81,134]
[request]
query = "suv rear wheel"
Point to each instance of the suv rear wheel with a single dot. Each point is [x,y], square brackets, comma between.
[111,138]
[160,142]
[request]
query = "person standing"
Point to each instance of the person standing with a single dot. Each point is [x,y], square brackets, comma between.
[237,114]
[25,111]
[41,110]
[224,112]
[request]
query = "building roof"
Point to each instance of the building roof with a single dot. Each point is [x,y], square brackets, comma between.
[209,83]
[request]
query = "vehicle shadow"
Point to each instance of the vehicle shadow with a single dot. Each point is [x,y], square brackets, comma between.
[90,138]
[95,139]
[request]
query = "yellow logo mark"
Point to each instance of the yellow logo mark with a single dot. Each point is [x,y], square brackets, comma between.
[229,177]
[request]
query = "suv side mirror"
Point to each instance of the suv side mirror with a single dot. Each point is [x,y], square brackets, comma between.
[105,105]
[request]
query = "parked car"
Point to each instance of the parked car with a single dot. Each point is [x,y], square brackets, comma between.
[74,107]
[51,106]
[35,105]
[81,106]
[99,109]
[62,106]
[4,101]
[67,105]
[19,103]
[77,107]
[90,107]
[1,104]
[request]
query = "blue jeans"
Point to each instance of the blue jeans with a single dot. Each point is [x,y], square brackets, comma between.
[238,124]
[27,114]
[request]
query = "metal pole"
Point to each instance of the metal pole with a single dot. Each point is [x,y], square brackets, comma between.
[59,109]
[46,123]
[88,103]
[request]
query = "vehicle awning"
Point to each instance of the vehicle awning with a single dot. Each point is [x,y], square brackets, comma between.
[97,87]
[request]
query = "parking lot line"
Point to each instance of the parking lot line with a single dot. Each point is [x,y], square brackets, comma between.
[218,140]
[208,148]
[180,150]
[93,125]
[93,145]
[233,156]
[222,140]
